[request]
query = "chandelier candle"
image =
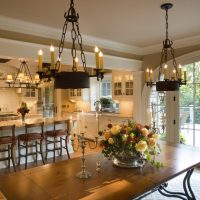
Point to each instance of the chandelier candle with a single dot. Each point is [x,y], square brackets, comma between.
[180,72]
[165,72]
[52,57]
[151,75]
[97,57]
[40,60]
[185,76]
[147,75]
[100,60]
[76,62]
[174,75]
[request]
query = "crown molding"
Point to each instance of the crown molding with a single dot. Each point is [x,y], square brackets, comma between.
[20,26]
[180,43]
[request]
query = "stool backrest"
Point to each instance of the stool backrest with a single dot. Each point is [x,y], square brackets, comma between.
[7,128]
[62,122]
[35,125]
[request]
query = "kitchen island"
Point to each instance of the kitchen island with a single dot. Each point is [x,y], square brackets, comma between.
[20,129]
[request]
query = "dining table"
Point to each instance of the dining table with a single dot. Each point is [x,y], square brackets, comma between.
[58,181]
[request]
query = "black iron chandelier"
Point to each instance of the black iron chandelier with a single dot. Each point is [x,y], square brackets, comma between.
[167,80]
[65,79]
[23,78]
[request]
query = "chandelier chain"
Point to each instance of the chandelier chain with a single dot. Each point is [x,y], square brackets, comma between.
[81,47]
[73,50]
[166,17]
[72,3]
[62,42]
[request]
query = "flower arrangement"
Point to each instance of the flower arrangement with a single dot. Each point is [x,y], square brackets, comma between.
[23,110]
[131,141]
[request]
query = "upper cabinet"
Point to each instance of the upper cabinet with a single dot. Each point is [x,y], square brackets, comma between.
[122,84]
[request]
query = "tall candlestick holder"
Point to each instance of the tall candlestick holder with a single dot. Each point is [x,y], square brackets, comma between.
[83,174]
[73,143]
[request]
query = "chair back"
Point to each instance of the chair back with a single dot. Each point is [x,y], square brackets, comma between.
[7,128]
[65,124]
[36,128]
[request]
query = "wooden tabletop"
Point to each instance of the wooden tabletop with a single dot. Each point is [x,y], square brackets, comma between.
[58,181]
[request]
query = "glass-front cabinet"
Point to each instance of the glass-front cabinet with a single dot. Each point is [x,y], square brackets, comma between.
[122,84]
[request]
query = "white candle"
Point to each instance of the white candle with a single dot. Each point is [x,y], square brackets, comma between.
[40,60]
[71,128]
[52,57]
[82,122]
[78,125]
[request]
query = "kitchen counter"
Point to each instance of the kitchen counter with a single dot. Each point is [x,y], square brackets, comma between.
[18,123]
[20,129]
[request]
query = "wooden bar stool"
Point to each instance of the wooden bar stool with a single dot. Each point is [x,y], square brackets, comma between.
[31,139]
[55,136]
[7,143]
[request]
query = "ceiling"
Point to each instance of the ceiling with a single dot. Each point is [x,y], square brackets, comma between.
[139,23]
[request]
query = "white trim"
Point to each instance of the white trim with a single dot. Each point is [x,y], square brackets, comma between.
[180,43]
[20,26]
[16,49]
[11,24]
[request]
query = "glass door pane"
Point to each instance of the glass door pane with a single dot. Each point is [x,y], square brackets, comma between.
[48,107]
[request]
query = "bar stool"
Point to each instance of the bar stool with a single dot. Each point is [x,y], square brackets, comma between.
[55,136]
[31,139]
[8,143]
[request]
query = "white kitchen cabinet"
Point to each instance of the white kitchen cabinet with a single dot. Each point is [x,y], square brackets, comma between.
[122,84]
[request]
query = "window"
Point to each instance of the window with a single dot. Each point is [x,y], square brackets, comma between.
[190,106]
[106,88]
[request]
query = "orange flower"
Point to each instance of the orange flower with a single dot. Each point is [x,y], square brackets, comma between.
[107,135]
[152,142]
[144,132]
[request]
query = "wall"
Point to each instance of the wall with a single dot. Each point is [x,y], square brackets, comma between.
[9,100]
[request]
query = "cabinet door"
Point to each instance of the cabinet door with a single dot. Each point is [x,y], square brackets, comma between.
[129,88]
[118,88]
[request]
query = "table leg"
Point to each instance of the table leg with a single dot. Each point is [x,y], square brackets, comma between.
[188,193]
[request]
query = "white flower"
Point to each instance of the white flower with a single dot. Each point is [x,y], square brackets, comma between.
[111,141]
[152,142]
[124,138]
[115,129]
[145,132]
[141,146]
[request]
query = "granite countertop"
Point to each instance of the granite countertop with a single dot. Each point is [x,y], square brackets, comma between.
[18,123]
